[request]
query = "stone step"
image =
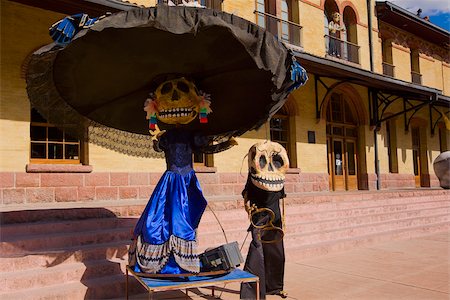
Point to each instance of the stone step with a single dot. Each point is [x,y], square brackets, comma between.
[299,224]
[367,206]
[366,229]
[39,240]
[99,288]
[293,238]
[69,255]
[299,252]
[238,218]
[229,219]
[11,231]
[338,197]
[35,244]
[52,275]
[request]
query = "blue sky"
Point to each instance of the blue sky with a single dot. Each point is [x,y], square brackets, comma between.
[437,10]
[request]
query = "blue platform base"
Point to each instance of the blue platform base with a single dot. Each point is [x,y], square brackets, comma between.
[158,284]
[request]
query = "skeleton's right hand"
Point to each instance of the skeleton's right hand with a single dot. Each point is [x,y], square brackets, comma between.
[156,133]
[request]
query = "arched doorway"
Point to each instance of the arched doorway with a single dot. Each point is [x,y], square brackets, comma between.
[342,144]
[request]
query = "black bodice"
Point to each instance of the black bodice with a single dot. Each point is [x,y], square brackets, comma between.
[178,146]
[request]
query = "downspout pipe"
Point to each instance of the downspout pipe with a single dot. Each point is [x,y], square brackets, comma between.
[374,96]
[369,26]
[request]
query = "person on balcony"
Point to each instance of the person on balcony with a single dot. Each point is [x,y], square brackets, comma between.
[334,29]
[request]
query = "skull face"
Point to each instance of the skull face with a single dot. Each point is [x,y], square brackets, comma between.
[268,163]
[177,101]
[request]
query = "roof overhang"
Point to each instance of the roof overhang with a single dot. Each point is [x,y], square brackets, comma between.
[341,71]
[407,21]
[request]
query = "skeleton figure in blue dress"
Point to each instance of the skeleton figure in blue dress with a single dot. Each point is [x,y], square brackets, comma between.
[165,237]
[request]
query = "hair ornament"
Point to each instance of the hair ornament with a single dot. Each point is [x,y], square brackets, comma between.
[204,107]
[150,106]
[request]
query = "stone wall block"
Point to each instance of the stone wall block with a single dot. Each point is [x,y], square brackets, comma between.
[86,193]
[228,178]
[106,193]
[66,194]
[208,178]
[6,179]
[154,178]
[60,180]
[128,192]
[13,196]
[119,179]
[145,192]
[28,180]
[96,179]
[139,178]
[38,195]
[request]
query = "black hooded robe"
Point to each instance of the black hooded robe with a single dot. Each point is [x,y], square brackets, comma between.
[265,260]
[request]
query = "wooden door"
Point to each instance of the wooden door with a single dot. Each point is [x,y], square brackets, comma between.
[350,165]
[415,134]
[338,165]
[330,164]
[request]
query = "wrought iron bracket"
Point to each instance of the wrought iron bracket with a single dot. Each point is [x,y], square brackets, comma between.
[434,121]
[328,88]
[379,103]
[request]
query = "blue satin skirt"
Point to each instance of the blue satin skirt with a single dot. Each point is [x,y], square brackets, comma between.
[166,230]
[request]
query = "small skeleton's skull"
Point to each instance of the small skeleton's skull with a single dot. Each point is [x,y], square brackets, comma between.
[177,101]
[267,164]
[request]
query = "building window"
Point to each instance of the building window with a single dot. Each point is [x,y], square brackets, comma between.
[391,143]
[281,19]
[280,132]
[50,144]
[386,50]
[202,159]
[416,77]
[350,36]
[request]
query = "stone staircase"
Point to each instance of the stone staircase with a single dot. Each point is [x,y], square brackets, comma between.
[81,253]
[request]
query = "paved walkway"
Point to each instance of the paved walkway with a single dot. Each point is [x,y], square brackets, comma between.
[418,268]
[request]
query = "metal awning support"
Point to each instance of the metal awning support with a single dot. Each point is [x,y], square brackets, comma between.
[437,119]
[329,89]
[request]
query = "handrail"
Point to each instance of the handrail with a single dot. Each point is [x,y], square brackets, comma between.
[275,17]
[389,64]
[353,44]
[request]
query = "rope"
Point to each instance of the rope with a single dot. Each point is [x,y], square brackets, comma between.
[218,221]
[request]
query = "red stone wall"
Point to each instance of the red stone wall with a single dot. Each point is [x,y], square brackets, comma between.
[21,187]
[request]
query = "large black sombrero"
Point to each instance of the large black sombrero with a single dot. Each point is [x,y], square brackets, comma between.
[105,74]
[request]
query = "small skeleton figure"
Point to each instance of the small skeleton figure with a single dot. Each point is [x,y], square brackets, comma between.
[268,163]
[334,28]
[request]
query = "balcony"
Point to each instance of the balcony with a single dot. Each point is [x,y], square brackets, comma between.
[287,31]
[388,69]
[416,77]
[342,49]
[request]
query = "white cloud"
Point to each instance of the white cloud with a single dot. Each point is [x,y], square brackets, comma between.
[429,7]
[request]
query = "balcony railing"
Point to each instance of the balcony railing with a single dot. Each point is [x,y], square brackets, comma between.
[416,77]
[388,69]
[286,31]
[342,49]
